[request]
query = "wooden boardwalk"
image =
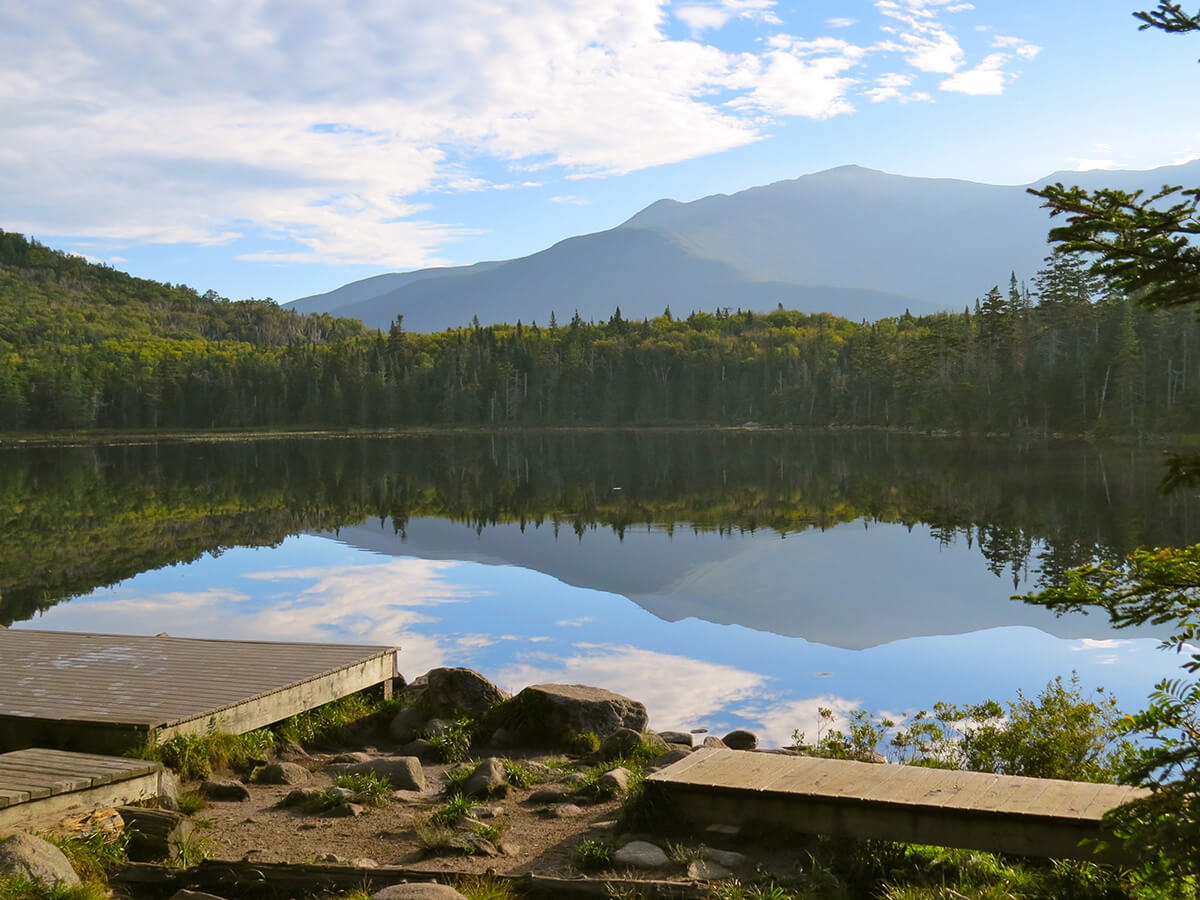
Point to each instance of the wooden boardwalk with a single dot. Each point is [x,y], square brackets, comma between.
[39,785]
[1028,816]
[106,693]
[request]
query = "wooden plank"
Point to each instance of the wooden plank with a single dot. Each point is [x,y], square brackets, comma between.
[12,796]
[39,756]
[32,791]
[58,783]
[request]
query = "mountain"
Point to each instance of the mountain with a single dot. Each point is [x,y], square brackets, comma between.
[852,241]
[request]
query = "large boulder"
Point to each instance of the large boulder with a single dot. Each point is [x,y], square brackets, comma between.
[37,860]
[487,780]
[404,772]
[552,713]
[449,693]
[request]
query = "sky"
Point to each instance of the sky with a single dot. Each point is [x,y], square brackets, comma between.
[280,148]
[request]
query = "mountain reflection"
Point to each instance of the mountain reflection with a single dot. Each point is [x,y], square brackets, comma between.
[597,508]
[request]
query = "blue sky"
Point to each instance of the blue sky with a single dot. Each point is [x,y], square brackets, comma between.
[273,148]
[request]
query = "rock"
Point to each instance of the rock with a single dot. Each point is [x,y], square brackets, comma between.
[329,858]
[550,714]
[224,789]
[676,737]
[452,693]
[740,739]
[565,811]
[487,780]
[154,834]
[407,724]
[364,862]
[420,748]
[703,870]
[356,756]
[555,793]
[729,859]
[615,781]
[621,742]
[283,773]
[725,830]
[668,758]
[641,855]
[289,751]
[342,793]
[509,848]
[404,772]
[408,796]
[487,812]
[716,742]
[37,860]
[418,892]
[168,790]
[573,779]
[301,796]
[503,737]
[346,811]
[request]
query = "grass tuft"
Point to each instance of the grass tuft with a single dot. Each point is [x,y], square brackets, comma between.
[369,788]
[485,887]
[592,855]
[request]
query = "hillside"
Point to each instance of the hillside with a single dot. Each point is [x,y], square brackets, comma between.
[854,242]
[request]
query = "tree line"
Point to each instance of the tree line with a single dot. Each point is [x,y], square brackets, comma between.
[83,346]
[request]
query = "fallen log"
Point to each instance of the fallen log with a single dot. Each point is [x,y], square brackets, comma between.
[238,880]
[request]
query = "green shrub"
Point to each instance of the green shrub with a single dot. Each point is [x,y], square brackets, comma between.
[453,744]
[518,774]
[95,856]
[485,887]
[453,810]
[15,888]
[582,743]
[369,788]
[191,802]
[337,721]
[592,855]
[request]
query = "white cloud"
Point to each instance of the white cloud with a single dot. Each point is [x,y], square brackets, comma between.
[986,78]
[703,18]
[841,23]
[1020,46]
[710,17]
[890,87]
[568,200]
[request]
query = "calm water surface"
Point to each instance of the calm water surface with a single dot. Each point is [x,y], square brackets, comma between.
[726,580]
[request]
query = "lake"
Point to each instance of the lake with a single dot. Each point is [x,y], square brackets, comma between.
[728,579]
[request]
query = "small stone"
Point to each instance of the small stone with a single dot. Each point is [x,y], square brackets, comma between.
[300,797]
[676,737]
[487,812]
[729,859]
[341,793]
[408,796]
[565,811]
[37,860]
[573,779]
[740,739]
[727,830]
[289,751]
[357,756]
[487,780]
[616,781]
[329,858]
[703,870]
[347,811]
[364,862]
[224,789]
[641,855]
[716,742]
[418,892]
[283,773]
[555,793]
[621,742]
[508,848]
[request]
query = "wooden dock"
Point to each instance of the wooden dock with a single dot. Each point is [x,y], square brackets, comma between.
[39,785]
[1002,813]
[106,693]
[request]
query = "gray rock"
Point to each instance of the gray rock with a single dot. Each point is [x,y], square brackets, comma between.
[289,751]
[404,772]
[621,742]
[676,737]
[283,773]
[669,758]
[437,727]
[551,713]
[168,790]
[615,781]
[364,862]
[347,811]
[725,830]
[554,793]
[356,756]
[740,739]
[715,742]
[418,892]
[37,860]
[420,748]
[342,793]
[224,789]
[487,812]
[573,779]
[641,855]
[503,737]
[729,859]
[301,796]
[703,870]
[329,858]
[453,692]
[565,811]
[487,780]
[407,724]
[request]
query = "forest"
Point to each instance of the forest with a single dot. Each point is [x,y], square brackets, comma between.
[83,346]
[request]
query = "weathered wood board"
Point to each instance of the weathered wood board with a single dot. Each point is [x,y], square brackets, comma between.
[110,692]
[1031,816]
[40,784]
